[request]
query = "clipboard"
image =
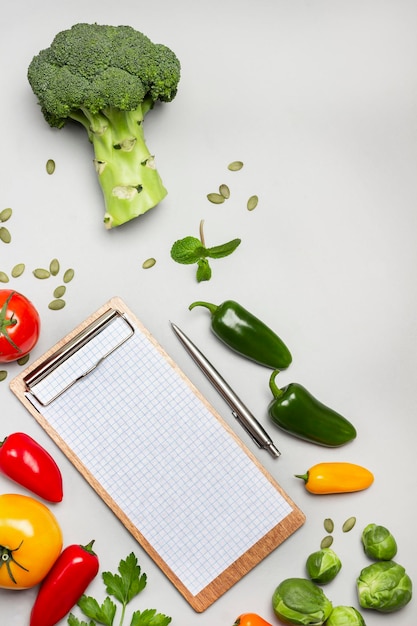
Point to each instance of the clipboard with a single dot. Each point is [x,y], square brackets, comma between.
[158,454]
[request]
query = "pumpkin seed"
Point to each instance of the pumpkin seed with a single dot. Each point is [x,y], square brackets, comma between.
[50,166]
[234,166]
[349,524]
[224,191]
[41,273]
[23,360]
[59,291]
[54,267]
[215,198]
[5,215]
[326,542]
[148,263]
[57,304]
[3,277]
[5,235]
[68,276]
[252,203]
[3,375]
[18,270]
[328,525]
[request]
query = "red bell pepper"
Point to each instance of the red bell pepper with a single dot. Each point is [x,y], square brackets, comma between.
[26,462]
[64,585]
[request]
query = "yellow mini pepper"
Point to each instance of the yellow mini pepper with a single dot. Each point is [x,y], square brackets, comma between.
[325,478]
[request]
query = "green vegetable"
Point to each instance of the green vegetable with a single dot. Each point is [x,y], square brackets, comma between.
[323,566]
[190,250]
[300,601]
[384,586]
[345,616]
[296,411]
[107,78]
[246,334]
[123,586]
[379,543]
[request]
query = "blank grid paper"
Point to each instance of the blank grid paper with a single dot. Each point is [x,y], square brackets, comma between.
[164,458]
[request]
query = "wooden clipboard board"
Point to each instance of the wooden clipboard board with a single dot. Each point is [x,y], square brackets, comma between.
[111,375]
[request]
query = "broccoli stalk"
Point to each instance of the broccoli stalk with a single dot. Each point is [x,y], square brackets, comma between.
[107,78]
[126,170]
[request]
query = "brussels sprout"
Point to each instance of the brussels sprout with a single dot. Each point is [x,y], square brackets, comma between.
[300,601]
[384,586]
[323,566]
[378,543]
[345,616]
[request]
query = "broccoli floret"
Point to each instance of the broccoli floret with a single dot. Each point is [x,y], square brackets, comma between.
[108,78]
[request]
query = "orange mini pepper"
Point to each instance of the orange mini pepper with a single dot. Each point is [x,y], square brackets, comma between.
[325,478]
[250,619]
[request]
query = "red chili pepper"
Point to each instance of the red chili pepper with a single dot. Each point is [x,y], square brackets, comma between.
[64,585]
[26,462]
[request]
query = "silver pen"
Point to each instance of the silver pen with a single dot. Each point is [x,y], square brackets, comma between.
[239,410]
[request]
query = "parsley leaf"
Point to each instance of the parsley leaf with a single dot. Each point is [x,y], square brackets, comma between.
[124,585]
[128,584]
[102,614]
[74,621]
[149,618]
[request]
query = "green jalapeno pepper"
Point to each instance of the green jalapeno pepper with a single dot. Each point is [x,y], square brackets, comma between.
[299,413]
[246,334]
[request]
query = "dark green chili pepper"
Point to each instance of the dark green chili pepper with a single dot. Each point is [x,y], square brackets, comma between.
[246,334]
[299,413]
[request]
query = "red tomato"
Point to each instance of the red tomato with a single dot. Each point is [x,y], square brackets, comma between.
[19,325]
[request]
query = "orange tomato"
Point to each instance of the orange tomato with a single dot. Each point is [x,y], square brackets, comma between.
[250,619]
[30,541]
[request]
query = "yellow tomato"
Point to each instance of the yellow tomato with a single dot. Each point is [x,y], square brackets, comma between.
[30,541]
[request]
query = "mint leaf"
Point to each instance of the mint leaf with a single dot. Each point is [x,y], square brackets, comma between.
[218,252]
[128,584]
[192,250]
[188,250]
[149,618]
[203,270]
[103,614]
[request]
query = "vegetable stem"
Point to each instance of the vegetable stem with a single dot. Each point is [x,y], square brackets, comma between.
[202,239]
[122,616]
[211,307]
[276,391]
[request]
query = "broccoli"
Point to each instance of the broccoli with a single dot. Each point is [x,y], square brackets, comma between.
[108,78]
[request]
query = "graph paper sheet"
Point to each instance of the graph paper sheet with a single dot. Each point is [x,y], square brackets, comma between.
[167,465]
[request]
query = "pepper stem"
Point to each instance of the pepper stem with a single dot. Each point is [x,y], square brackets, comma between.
[303,477]
[211,307]
[5,323]
[277,392]
[89,547]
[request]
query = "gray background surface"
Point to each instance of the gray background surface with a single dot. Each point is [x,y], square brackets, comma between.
[319,99]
